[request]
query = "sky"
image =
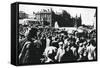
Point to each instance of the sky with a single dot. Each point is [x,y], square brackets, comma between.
[87,14]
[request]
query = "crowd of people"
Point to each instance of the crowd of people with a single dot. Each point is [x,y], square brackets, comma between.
[49,45]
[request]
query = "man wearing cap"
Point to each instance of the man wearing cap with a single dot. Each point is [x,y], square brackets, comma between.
[60,52]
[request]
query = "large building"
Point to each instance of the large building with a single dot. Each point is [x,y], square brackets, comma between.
[47,17]
[44,17]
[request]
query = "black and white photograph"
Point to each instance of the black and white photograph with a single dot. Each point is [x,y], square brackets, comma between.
[56,34]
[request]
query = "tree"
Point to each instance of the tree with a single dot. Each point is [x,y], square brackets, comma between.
[65,15]
[22,15]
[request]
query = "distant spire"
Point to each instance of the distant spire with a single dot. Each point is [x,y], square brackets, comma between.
[80,15]
[33,12]
[76,15]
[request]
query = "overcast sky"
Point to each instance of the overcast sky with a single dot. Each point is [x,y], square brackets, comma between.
[87,14]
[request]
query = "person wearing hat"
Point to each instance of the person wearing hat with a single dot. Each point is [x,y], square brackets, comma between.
[60,52]
[49,54]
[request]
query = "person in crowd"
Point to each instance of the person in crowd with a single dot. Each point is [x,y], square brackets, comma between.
[60,52]
[55,43]
[48,41]
[91,50]
[49,54]
[31,51]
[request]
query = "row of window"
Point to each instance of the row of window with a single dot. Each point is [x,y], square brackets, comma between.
[43,17]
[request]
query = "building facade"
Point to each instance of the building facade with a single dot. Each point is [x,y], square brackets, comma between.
[44,17]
